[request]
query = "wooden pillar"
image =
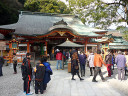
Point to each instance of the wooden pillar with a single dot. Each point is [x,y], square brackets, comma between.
[10,53]
[42,49]
[46,48]
[85,48]
[28,47]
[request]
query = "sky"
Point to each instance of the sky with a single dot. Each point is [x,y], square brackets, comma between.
[64,1]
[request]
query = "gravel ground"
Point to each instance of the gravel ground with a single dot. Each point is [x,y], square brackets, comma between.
[10,84]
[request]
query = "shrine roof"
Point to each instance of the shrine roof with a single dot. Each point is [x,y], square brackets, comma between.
[35,24]
[1,36]
[118,43]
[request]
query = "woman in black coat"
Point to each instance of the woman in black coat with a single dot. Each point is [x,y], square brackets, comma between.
[74,65]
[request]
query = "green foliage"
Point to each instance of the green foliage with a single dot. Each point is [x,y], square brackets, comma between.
[97,12]
[46,6]
[22,1]
[123,30]
[7,15]
[125,34]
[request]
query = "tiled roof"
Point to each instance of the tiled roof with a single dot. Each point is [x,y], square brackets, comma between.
[1,36]
[68,43]
[119,43]
[42,23]
[114,33]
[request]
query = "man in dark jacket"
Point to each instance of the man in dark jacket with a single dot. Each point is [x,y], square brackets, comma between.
[108,61]
[82,60]
[39,77]
[26,70]
[1,64]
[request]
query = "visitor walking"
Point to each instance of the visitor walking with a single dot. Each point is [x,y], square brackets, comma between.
[48,72]
[82,60]
[1,65]
[108,61]
[74,64]
[126,67]
[59,59]
[26,70]
[120,60]
[52,54]
[39,77]
[113,60]
[91,63]
[98,61]
[14,63]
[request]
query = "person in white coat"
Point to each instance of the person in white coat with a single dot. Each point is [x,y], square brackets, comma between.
[91,63]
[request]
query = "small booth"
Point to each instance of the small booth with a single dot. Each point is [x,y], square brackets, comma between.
[68,43]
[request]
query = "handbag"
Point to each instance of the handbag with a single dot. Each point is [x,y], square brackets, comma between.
[76,67]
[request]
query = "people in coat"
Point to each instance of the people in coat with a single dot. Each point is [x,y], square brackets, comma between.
[98,61]
[59,59]
[14,63]
[91,63]
[48,72]
[108,61]
[120,60]
[126,67]
[82,60]
[1,65]
[26,70]
[74,64]
[39,77]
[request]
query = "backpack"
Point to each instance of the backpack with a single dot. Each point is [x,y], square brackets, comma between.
[40,71]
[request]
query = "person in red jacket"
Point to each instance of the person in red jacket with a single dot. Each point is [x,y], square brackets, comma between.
[59,59]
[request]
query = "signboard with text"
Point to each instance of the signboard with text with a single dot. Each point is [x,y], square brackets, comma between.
[2,45]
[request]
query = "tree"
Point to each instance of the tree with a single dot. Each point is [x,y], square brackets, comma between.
[7,15]
[46,6]
[22,1]
[100,13]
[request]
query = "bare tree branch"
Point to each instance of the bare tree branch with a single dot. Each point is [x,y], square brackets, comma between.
[116,3]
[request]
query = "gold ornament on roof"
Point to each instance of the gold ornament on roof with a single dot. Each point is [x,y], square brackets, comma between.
[61,33]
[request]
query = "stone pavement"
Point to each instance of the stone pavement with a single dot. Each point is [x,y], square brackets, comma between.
[62,85]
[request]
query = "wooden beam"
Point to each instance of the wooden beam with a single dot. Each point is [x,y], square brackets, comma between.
[6,31]
[28,47]
[85,48]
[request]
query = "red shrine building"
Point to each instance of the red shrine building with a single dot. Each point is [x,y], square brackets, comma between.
[40,32]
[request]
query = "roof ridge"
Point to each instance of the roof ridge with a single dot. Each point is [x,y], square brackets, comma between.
[44,14]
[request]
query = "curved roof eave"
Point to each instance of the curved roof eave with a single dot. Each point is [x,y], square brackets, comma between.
[63,27]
